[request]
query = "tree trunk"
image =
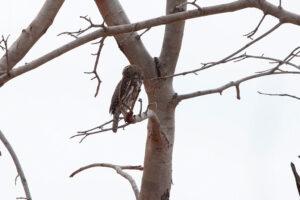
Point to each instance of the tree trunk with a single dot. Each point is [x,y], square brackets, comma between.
[157,174]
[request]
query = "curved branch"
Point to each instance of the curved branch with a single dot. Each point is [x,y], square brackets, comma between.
[17,164]
[31,34]
[119,169]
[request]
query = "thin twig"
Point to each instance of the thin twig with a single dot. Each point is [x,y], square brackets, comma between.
[100,129]
[141,106]
[249,35]
[119,169]
[193,3]
[229,85]
[75,34]
[101,44]
[86,134]
[273,60]
[17,164]
[145,31]
[282,95]
[226,59]
[280,4]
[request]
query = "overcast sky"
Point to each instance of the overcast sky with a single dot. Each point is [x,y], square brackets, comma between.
[224,148]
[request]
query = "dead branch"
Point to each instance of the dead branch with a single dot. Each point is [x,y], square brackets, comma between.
[96,76]
[296,175]
[292,55]
[17,164]
[272,60]
[282,95]
[193,3]
[145,31]
[119,169]
[230,84]
[280,4]
[91,25]
[268,8]
[85,134]
[101,128]
[226,59]
[249,35]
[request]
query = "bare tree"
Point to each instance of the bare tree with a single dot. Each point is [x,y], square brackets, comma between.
[159,71]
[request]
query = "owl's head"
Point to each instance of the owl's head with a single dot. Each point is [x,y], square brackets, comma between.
[133,71]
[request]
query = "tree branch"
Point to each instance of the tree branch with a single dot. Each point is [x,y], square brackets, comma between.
[296,175]
[101,128]
[282,95]
[172,39]
[226,59]
[129,43]
[17,164]
[75,34]
[229,85]
[119,169]
[96,76]
[125,28]
[249,35]
[281,14]
[31,34]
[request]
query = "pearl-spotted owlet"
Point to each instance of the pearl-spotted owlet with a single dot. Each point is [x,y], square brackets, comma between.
[126,93]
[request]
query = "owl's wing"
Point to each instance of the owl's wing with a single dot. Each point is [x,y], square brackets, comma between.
[124,87]
[115,99]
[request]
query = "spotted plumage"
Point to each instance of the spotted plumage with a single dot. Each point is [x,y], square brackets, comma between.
[126,93]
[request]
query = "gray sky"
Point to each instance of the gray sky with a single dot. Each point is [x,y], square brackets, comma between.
[224,148]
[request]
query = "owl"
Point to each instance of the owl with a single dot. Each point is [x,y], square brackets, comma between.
[126,93]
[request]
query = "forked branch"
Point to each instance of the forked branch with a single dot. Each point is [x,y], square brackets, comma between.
[96,75]
[268,8]
[75,34]
[249,35]
[193,3]
[119,169]
[226,59]
[101,128]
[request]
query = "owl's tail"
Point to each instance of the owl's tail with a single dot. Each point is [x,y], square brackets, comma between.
[115,121]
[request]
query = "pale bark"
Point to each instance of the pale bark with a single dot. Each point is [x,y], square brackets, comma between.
[172,40]
[17,165]
[281,14]
[133,48]
[31,34]
[157,174]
